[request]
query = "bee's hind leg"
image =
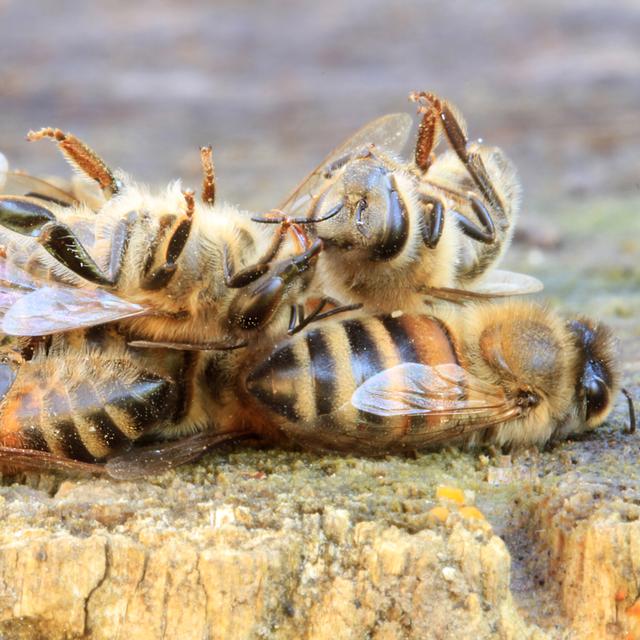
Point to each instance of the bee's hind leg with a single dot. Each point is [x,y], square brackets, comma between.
[81,157]
[437,110]
[28,217]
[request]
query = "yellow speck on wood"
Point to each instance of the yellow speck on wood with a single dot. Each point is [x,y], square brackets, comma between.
[451,494]
[621,594]
[439,513]
[472,512]
[634,609]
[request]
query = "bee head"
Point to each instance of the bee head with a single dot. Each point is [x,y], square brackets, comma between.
[374,217]
[598,372]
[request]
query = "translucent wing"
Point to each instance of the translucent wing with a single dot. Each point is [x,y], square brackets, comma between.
[420,389]
[497,284]
[158,458]
[49,309]
[20,460]
[36,305]
[12,276]
[508,283]
[389,132]
[133,464]
[19,183]
[458,402]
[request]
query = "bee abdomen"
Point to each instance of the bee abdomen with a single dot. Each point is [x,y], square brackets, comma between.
[308,380]
[86,420]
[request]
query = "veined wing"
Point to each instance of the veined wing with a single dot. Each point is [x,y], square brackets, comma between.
[462,402]
[497,284]
[30,306]
[23,184]
[157,458]
[501,283]
[389,133]
[50,309]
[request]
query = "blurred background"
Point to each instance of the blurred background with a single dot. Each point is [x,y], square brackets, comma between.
[274,85]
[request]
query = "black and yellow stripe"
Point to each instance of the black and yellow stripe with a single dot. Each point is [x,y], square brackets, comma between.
[307,381]
[83,409]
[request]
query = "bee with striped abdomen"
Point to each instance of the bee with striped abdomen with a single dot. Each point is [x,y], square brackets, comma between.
[74,400]
[168,268]
[510,374]
[396,230]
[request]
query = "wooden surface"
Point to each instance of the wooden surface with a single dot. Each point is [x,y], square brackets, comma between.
[273,86]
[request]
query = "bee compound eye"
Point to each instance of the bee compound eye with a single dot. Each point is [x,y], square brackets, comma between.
[597,396]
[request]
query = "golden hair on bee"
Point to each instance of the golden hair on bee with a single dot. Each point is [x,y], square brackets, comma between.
[167,267]
[397,228]
[512,373]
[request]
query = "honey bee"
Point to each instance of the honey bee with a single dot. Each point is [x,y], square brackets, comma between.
[505,373]
[395,230]
[169,269]
[511,374]
[72,400]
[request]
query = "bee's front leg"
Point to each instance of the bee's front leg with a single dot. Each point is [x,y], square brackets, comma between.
[434,223]
[257,304]
[485,232]
[28,217]
[299,320]
[251,273]
[159,277]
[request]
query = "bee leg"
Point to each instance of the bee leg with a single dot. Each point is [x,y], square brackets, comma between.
[486,231]
[120,240]
[28,218]
[208,195]
[434,223]
[296,318]
[257,303]
[252,272]
[159,277]
[428,133]
[82,158]
[316,314]
[457,138]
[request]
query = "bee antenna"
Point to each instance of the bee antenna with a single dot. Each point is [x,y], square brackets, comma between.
[632,412]
[275,216]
